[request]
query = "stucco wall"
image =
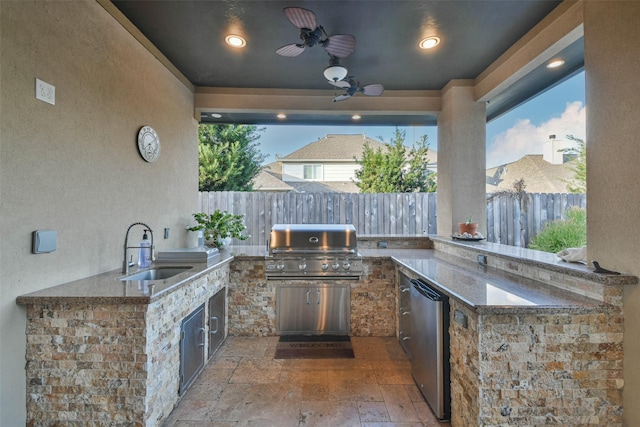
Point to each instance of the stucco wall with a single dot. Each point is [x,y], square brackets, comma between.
[74,167]
[612,60]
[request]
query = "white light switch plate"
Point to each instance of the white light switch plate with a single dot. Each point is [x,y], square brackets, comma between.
[45,92]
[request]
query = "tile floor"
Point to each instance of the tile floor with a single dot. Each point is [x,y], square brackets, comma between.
[245,386]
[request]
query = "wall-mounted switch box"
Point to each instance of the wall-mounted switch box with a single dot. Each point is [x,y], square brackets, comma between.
[382,245]
[166,233]
[44,241]
[45,92]
[482,260]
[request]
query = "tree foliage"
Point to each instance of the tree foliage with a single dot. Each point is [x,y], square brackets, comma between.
[229,157]
[579,182]
[396,169]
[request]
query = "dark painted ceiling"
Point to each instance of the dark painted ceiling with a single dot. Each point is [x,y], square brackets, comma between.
[474,34]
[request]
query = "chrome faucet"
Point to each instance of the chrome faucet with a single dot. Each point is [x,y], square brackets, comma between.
[126,264]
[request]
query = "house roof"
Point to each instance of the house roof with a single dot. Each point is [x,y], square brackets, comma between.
[334,147]
[339,148]
[539,175]
[270,179]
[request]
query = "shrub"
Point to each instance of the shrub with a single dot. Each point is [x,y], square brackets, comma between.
[563,233]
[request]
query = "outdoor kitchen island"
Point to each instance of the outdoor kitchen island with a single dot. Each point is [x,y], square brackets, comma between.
[558,362]
[549,351]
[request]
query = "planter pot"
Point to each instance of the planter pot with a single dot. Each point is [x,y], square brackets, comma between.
[471,228]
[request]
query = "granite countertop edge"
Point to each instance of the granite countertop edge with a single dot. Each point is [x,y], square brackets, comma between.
[107,288]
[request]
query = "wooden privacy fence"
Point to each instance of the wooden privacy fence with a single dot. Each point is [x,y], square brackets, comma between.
[515,218]
[389,213]
[512,219]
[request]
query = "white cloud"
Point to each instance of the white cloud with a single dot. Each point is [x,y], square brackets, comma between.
[526,138]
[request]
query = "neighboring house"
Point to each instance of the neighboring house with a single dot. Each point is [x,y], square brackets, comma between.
[540,176]
[326,165]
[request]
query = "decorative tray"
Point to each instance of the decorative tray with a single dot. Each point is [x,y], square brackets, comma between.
[468,239]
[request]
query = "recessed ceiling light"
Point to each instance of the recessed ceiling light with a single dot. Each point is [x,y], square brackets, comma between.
[429,42]
[235,41]
[216,115]
[281,116]
[356,117]
[555,63]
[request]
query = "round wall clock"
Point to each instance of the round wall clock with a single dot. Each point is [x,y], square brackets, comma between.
[148,144]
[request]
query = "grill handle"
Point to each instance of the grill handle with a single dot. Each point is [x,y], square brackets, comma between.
[306,251]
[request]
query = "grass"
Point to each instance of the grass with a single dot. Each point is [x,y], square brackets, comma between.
[563,233]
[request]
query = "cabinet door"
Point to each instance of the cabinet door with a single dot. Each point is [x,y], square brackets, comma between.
[217,320]
[296,310]
[192,336]
[331,309]
[322,309]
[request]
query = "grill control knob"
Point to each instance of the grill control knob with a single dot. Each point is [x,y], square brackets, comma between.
[325,266]
[280,266]
[335,265]
[346,265]
[302,265]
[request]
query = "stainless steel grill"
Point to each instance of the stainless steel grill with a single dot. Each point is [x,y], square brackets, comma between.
[313,250]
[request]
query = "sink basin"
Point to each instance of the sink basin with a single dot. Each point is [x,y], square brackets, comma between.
[156,273]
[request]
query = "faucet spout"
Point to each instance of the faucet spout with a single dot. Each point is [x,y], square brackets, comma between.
[125,263]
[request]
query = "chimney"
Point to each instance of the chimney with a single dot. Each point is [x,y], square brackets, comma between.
[551,150]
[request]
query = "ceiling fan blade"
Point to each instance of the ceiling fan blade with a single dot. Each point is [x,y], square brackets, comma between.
[373,90]
[340,83]
[341,98]
[290,50]
[340,45]
[301,18]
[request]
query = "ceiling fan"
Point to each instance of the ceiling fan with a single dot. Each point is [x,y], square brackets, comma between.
[311,34]
[352,86]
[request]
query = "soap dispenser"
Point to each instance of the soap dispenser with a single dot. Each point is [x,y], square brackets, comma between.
[144,252]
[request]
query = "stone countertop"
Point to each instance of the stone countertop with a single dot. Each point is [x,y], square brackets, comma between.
[486,289]
[481,288]
[538,259]
[107,288]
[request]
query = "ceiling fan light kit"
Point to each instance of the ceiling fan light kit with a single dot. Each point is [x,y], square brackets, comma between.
[335,73]
[337,46]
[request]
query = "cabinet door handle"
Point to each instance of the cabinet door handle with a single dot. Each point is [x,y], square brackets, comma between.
[318,291]
[403,290]
[309,297]
[404,313]
[202,333]
[211,319]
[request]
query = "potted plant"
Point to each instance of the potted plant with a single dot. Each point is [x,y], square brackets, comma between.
[220,227]
[469,227]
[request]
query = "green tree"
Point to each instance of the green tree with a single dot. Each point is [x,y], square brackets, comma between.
[229,158]
[579,182]
[396,169]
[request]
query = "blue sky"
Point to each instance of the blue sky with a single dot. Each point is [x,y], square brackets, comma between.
[559,111]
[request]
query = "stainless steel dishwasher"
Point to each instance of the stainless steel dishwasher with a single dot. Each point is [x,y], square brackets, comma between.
[430,365]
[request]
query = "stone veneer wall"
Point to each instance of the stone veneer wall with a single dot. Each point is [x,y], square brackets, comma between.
[97,364]
[252,299]
[164,320]
[541,367]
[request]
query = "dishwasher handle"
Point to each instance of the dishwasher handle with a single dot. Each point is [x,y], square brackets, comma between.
[426,291]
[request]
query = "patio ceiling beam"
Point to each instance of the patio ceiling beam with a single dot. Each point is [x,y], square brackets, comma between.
[399,103]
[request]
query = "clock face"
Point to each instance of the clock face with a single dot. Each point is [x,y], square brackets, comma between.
[148,144]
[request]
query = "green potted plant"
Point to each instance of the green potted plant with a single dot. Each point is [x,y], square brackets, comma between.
[220,227]
[468,226]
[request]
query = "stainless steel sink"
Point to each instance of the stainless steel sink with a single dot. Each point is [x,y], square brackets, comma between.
[156,273]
